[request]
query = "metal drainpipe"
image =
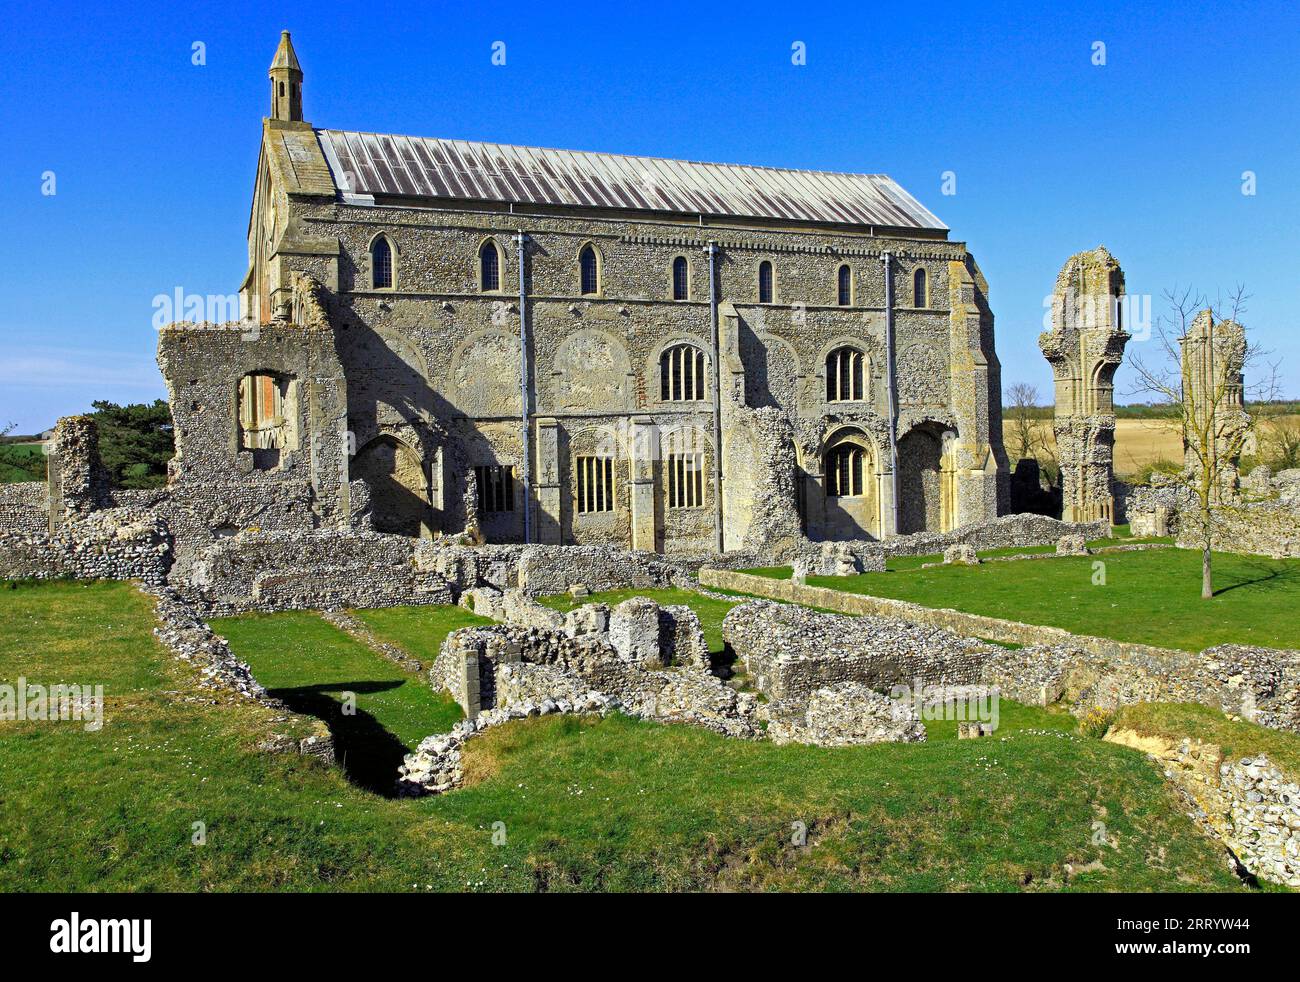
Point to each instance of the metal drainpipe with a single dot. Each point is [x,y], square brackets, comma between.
[712,250]
[525,402]
[888,261]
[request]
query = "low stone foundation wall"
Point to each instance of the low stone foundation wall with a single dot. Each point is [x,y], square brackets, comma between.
[270,571]
[638,630]
[791,651]
[114,544]
[1259,684]
[184,632]
[1007,532]
[847,714]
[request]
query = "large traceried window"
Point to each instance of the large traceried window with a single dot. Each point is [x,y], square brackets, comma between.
[684,475]
[595,484]
[590,270]
[681,374]
[381,264]
[844,288]
[496,488]
[681,279]
[844,466]
[489,267]
[845,375]
[920,293]
[765,282]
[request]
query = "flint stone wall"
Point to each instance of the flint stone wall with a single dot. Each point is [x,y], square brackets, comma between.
[1247,803]
[792,651]
[847,714]
[471,662]
[638,630]
[1259,684]
[184,632]
[1009,531]
[1266,528]
[24,508]
[114,544]
[323,568]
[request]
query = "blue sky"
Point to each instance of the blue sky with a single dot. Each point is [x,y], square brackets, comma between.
[153,156]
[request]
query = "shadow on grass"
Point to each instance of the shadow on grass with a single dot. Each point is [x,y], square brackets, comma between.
[368,753]
[1265,574]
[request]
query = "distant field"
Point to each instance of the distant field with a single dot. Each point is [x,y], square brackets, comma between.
[21,462]
[1138,442]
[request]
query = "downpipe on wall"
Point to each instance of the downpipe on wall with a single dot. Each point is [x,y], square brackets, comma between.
[887,260]
[524,390]
[712,250]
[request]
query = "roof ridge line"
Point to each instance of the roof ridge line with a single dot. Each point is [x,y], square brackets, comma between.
[612,153]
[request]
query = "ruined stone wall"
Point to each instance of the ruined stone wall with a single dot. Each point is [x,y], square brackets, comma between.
[1084,347]
[219,482]
[792,651]
[1009,531]
[277,570]
[1249,804]
[1264,521]
[78,482]
[115,544]
[1258,684]
[24,507]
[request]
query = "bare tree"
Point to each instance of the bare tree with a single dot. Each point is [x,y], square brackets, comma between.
[1208,401]
[1279,440]
[1022,401]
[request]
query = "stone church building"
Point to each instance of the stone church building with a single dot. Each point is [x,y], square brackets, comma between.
[547,346]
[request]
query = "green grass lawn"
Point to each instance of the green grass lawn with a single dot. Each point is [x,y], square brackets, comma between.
[321,671]
[587,804]
[418,630]
[1151,597]
[901,564]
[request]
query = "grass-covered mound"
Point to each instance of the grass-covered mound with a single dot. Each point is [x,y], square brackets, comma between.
[585,804]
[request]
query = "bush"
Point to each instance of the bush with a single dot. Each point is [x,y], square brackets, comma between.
[1095,722]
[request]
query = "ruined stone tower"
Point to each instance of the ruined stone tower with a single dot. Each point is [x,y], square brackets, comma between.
[1214,355]
[1085,346]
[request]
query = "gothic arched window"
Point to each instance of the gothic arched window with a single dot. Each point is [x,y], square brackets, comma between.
[489,267]
[845,287]
[381,264]
[920,296]
[590,270]
[765,282]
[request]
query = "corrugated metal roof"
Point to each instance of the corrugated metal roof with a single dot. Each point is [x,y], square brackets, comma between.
[406,166]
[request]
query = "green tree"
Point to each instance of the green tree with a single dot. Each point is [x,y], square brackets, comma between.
[135,442]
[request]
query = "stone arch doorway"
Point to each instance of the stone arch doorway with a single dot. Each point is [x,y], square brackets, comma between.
[925,480]
[850,485]
[399,487]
